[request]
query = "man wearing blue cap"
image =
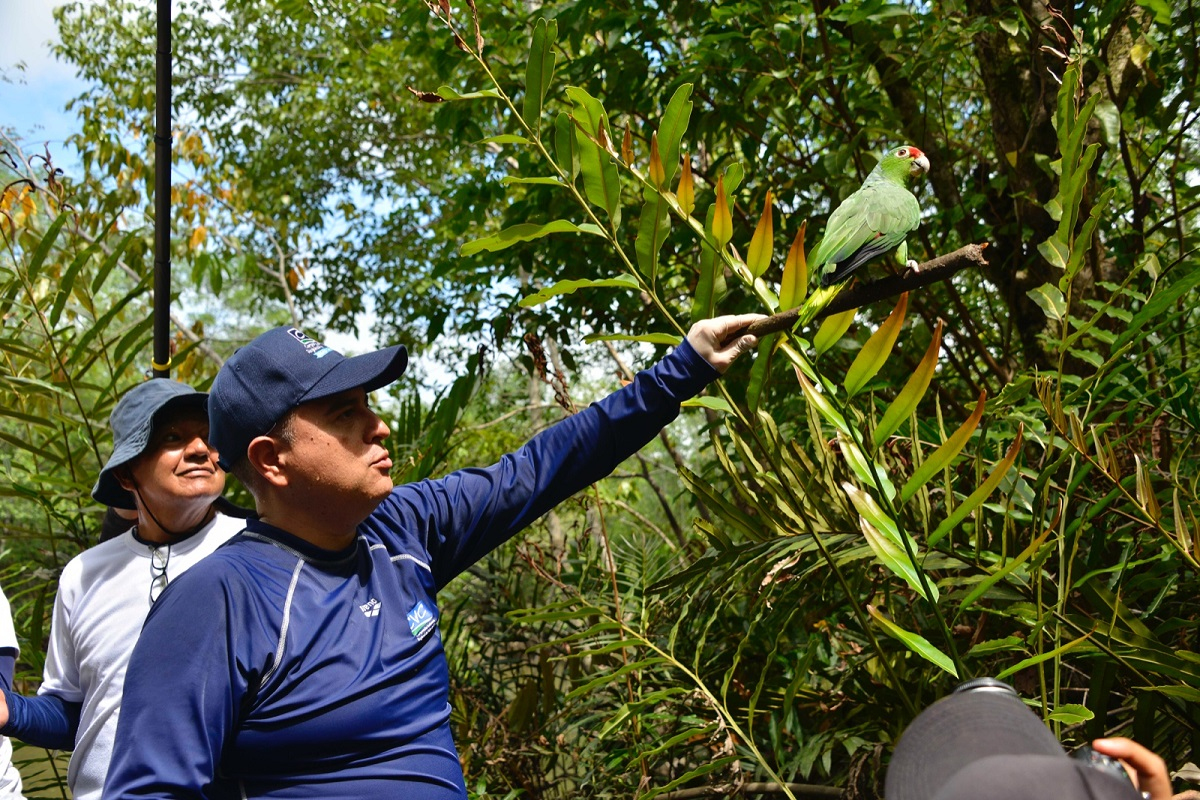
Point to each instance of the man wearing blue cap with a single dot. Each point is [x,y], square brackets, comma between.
[162,468]
[316,669]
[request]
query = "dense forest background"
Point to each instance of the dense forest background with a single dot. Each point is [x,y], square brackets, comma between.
[993,475]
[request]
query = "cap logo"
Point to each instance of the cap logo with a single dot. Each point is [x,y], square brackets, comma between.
[311,346]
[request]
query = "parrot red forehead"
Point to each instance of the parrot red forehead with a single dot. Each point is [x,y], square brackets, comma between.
[910,152]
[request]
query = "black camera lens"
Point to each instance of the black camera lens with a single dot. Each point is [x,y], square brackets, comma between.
[1101,762]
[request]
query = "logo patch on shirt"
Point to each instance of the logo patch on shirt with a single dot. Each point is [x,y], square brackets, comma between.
[371,608]
[421,620]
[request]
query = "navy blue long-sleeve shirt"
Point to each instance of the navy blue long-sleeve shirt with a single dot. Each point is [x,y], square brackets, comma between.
[276,669]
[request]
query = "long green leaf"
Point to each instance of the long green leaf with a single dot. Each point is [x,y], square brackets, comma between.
[874,353]
[539,71]
[525,232]
[446,93]
[1157,306]
[760,371]
[600,181]
[566,154]
[831,330]
[979,495]
[572,286]
[67,283]
[908,398]
[867,472]
[939,458]
[101,325]
[509,180]
[670,339]
[670,132]
[730,514]
[43,247]
[992,579]
[691,775]
[653,228]
[894,558]
[706,285]
[616,675]
[1033,661]
[914,642]
[821,403]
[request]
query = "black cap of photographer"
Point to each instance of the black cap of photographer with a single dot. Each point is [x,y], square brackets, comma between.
[983,743]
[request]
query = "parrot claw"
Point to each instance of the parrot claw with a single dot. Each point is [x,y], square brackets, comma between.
[913,265]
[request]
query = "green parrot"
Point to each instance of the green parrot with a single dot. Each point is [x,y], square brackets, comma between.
[872,221]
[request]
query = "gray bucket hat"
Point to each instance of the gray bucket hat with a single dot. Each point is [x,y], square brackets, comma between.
[132,423]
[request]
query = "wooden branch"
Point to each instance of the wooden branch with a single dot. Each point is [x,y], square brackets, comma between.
[934,271]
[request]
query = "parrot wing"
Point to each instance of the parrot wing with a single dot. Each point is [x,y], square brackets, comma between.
[871,222]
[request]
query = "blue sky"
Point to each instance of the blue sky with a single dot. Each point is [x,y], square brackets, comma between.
[32,99]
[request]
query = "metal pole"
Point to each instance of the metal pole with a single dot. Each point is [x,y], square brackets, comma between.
[162,195]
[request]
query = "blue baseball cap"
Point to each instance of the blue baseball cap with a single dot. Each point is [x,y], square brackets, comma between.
[278,371]
[132,423]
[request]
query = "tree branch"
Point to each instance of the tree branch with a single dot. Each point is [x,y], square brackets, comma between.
[805,791]
[934,271]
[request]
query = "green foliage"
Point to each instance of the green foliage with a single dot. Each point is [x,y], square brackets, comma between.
[782,489]
[74,336]
[1010,488]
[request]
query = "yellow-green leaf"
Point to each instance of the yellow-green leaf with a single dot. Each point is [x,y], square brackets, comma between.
[601,183]
[526,231]
[1024,556]
[685,194]
[869,510]
[670,131]
[892,556]
[938,460]
[1029,662]
[794,285]
[862,468]
[1070,714]
[822,404]
[875,352]
[762,243]
[539,70]
[914,642]
[657,173]
[722,224]
[979,495]
[831,330]
[1051,300]
[572,286]
[1145,492]
[914,389]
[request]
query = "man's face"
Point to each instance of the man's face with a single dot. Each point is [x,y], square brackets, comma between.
[336,452]
[177,465]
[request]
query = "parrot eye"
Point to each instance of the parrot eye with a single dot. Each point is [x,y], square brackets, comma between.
[902,152]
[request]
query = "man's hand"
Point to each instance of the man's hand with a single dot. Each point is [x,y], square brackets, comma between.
[1148,771]
[3,708]
[716,339]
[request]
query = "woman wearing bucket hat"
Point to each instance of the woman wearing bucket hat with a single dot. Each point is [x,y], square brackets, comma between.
[162,468]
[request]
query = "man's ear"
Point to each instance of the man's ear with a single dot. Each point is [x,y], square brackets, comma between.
[266,458]
[124,478]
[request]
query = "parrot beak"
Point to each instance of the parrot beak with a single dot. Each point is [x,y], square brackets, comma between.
[920,165]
